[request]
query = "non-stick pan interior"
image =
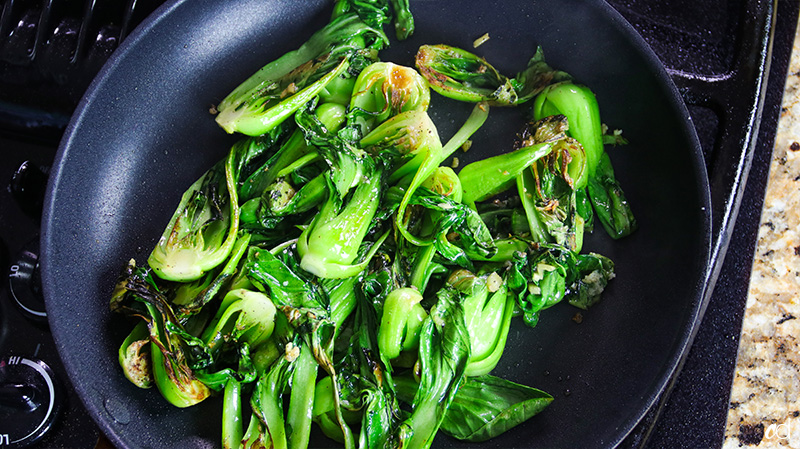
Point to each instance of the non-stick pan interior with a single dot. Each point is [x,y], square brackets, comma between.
[143,134]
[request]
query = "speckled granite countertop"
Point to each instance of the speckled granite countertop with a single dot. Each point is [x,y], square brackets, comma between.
[764,409]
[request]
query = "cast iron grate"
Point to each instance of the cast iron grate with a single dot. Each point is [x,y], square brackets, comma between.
[50,50]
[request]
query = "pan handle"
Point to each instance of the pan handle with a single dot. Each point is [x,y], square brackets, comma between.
[731,157]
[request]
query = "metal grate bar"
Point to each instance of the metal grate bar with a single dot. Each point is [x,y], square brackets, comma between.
[41,28]
[86,21]
[5,18]
[127,19]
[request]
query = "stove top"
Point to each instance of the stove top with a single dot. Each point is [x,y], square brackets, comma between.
[24,335]
[719,52]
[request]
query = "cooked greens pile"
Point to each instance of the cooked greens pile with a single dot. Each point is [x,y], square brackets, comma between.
[334,269]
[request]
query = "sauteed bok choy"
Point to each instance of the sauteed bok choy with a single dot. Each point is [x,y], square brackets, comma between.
[334,271]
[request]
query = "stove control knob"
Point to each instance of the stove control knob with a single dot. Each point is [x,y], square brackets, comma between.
[25,283]
[28,186]
[30,401]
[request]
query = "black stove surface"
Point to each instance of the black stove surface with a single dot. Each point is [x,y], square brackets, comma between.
[22,333]
[702,42]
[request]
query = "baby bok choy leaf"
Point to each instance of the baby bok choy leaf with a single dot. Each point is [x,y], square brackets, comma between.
[244,316]
[394,328]
[403,20]
[538,280]
[134,356]
[579,104]
[383,90]
[290,184]
[444,350]
[365,370]
[329,246]
[443,181]
[306,309]
[267,400]
[549,200]
[488,309]
[411,139]
[291,153]
[269,95]
[203,229]
[588,280]
[458,74]
[284,285]
[201,232]
[487,177]
[301,398]
[262,114]
[174,353]
[455,230]
[346,162]
[376,13]
[484,406]
[610,204]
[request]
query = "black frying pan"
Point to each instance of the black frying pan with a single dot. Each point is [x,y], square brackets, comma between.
[143,133]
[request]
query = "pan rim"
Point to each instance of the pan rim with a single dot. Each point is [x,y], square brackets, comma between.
[654,65]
